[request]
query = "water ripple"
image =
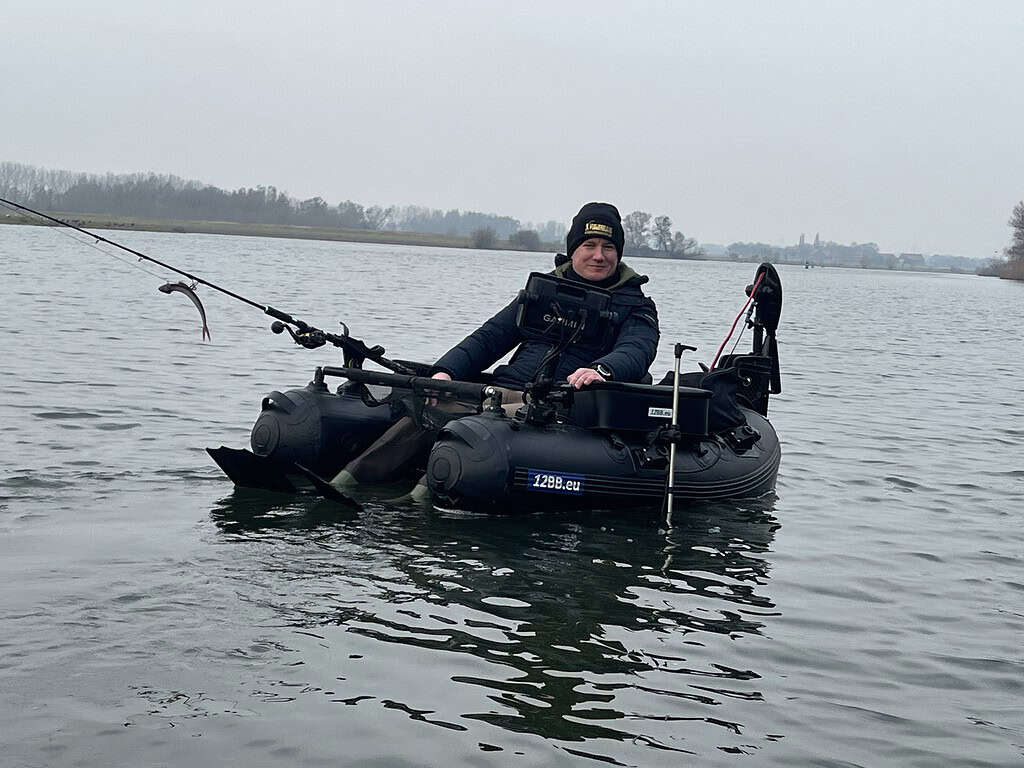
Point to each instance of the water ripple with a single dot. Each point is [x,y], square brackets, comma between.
[870,614]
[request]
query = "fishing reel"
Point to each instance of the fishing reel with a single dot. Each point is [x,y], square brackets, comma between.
[307,336]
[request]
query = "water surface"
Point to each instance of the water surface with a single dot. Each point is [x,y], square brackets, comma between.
[871,613]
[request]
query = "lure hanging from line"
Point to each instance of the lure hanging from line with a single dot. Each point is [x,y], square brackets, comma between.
[190,291]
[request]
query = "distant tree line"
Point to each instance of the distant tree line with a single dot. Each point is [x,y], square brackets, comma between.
[821,253]
[157,196]
[829,253]
[653,236]
[414,218]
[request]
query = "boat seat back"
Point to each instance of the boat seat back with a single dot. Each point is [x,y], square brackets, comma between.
[753,379]
[724,412]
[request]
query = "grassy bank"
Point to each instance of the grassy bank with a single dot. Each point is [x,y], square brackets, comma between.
[1011,271]
[104,221]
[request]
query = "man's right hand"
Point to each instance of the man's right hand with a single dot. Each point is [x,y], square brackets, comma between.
[583,376]
[440,376]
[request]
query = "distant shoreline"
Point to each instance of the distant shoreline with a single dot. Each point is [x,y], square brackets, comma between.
[290,231]
[294,232]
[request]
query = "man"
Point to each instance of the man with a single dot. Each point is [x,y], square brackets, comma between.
[594,244]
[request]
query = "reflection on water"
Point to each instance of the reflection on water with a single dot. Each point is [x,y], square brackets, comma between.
[250,511]
[589,626]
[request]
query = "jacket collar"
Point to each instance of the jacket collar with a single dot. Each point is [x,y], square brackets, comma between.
[626,275]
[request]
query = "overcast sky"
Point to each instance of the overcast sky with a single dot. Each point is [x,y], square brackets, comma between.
[895,122]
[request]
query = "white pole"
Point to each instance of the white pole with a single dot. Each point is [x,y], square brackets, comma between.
[675,423]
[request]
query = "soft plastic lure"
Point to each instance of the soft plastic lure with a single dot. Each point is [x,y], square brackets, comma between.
[189,290]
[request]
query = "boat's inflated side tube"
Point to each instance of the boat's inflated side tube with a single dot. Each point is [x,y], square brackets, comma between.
[492,463]
[317,428]
[737,463]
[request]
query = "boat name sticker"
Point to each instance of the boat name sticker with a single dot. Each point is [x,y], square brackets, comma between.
[553,482]
[659,413]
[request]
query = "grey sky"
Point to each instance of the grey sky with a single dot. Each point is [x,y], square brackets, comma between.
[894,122]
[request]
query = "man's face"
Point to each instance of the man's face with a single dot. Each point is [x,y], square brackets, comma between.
[595,259]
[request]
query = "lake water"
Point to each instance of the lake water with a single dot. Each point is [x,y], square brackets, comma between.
[872,613]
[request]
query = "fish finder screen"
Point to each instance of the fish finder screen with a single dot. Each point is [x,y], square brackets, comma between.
[558,310]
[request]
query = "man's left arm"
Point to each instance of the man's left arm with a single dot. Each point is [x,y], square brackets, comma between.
[636,345]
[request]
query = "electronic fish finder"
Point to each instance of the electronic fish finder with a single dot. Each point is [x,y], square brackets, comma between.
[563,312]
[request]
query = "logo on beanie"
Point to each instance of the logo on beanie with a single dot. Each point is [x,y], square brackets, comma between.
[597,228]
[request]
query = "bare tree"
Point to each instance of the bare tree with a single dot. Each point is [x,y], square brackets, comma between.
[662,234]
[684,247]
[377,217]
[1015,251]
[636,227]
[526,239]
[483,237]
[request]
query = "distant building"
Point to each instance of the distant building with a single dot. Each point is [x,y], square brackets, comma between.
[881,260]
[954,263]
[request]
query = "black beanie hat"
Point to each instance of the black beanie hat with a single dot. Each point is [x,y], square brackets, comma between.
[595,220]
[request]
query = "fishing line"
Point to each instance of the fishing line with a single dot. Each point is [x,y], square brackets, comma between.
[195,278]
[130,262]
[92,243]
[750,298]
[305,335]
[743,330]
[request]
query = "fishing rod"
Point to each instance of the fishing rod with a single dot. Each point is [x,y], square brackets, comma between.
[308,336]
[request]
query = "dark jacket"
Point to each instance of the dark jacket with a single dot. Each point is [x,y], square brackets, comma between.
[628,355]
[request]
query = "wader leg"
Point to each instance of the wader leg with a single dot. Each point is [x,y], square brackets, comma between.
[390,455]
[386,458]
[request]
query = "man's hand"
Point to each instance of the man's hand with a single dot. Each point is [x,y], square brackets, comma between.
[441,375]
[583,376]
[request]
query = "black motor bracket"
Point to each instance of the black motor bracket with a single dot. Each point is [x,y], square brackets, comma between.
[767,307]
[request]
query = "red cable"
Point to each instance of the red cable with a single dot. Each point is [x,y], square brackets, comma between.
[753,292]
